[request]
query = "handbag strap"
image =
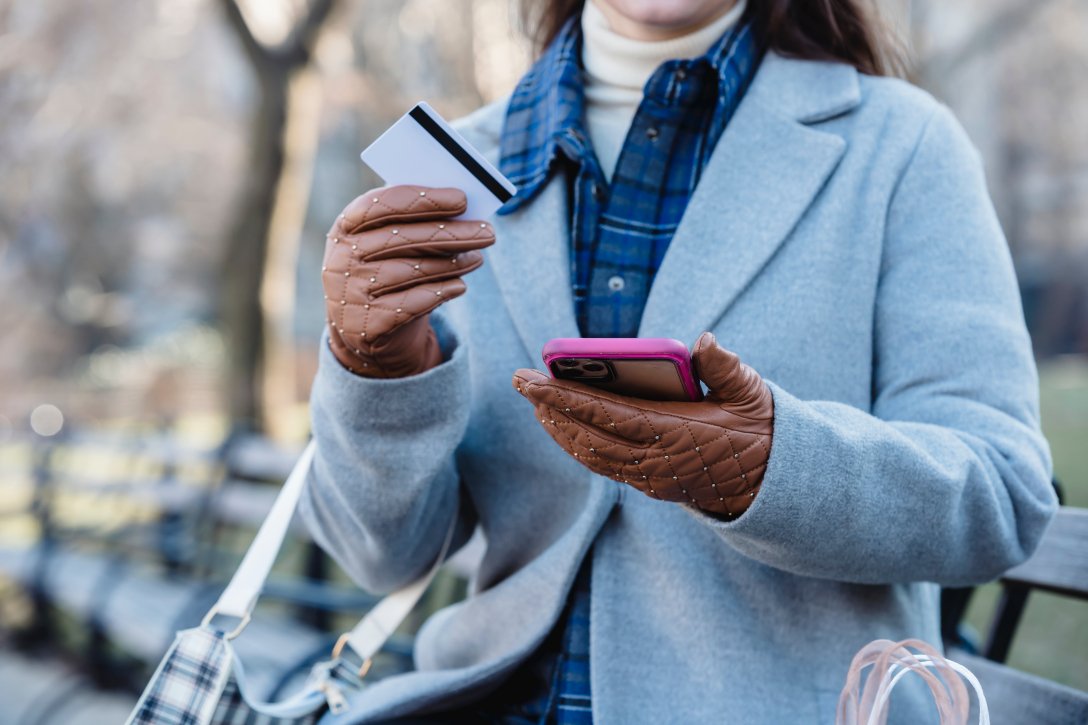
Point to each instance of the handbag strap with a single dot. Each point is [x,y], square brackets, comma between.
[241,594]
[238,599]
[368,636]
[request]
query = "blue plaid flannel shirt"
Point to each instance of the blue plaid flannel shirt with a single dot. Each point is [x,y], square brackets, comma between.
[620,231]
[619,234]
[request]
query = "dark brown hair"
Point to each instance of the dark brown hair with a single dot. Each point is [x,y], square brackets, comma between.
[850,31]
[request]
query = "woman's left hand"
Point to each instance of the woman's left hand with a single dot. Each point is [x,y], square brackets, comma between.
[711,454]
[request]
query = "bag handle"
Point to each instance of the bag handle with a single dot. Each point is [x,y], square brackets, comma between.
[891,661]
[892,678]
[241,594]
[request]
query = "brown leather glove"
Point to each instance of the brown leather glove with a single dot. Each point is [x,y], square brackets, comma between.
[392,256]
[711,454]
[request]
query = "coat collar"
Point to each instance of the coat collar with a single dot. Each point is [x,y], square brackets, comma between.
[546,113]
[806,91]
[766,169]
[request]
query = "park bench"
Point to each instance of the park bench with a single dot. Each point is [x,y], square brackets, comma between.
[132,586]
[45,690]
[188,515]
[1060,566]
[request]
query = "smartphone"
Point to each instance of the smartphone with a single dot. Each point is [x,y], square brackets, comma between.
[652,368]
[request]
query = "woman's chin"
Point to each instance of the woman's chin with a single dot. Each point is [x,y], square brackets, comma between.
[666,17]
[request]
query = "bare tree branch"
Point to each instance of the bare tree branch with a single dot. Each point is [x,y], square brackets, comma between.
[297,48]
[295,51]
[245,253]
[258,54]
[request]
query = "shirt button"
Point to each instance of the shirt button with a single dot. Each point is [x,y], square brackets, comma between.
[598,192]
[651,133]
[615,283]
[681,74]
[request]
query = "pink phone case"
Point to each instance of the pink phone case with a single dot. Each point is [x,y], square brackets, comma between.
[618,350]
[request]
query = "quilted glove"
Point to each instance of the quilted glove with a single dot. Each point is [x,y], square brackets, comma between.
[392,256]
[711,454]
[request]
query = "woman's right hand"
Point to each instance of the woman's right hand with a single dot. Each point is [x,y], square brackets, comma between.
[391,257]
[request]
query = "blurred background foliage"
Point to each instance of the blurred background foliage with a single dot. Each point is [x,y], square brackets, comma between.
[170,168]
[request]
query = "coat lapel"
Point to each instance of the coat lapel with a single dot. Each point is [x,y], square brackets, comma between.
[765,171]
[531,260]
[767,168]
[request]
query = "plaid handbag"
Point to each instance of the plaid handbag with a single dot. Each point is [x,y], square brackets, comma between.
[200,681]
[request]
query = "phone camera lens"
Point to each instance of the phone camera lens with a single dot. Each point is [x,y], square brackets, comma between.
[593,367]
[568,363]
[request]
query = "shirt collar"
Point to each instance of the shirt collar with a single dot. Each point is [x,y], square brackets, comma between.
[547,108]
[730,60]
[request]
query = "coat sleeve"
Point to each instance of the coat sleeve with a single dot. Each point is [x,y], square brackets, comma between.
[384,485]
[949,478]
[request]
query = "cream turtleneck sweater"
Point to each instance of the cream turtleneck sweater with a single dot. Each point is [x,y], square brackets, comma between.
[617,69]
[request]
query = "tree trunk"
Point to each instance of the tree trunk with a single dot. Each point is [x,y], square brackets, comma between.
[247,245]
[279,379]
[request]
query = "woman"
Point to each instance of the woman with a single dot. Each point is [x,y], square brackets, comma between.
[683,167]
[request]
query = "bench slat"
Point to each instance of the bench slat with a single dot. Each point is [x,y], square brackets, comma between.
[1060,564]
[50,693]
[1017,698]
[139,611]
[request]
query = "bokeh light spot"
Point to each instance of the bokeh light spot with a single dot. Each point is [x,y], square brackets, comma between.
[46,420]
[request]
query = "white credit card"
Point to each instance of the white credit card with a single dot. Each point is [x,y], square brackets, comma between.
[422,149]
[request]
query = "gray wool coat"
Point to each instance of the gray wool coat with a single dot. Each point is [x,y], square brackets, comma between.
[842,242]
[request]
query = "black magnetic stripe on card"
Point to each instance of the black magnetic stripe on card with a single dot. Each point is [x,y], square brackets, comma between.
[463,157]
